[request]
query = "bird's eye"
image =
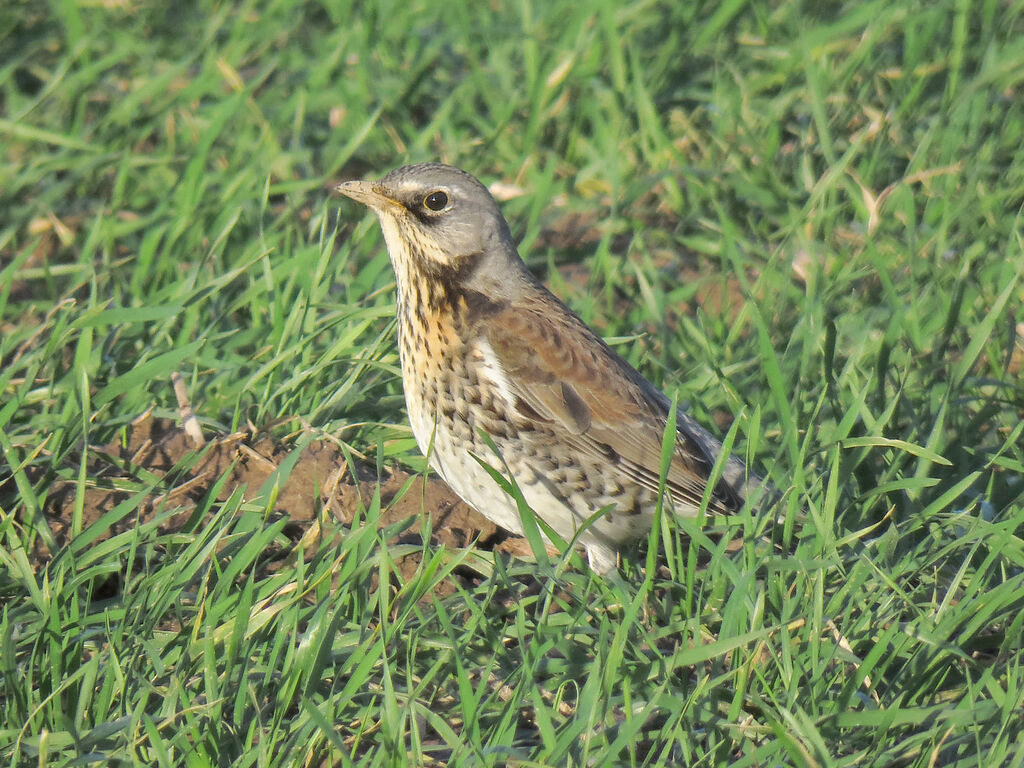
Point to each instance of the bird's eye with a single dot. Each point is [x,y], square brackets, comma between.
[436,201]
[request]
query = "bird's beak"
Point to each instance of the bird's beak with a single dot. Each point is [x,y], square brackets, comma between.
[371,193]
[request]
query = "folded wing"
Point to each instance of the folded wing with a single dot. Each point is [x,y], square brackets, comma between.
[559,376]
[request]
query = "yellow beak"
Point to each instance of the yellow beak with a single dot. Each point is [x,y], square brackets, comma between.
[371,193]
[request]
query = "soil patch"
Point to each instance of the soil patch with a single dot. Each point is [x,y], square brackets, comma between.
[320,495]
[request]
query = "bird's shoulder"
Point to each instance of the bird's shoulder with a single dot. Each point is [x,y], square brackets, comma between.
[545,348]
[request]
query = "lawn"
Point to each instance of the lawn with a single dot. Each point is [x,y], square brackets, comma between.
[219,544]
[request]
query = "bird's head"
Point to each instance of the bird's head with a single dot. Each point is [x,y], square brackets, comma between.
[439,221]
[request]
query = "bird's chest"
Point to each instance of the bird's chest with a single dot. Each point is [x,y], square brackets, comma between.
[453,400]
[454,388]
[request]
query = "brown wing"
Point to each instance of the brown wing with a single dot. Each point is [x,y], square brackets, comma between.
[563,374]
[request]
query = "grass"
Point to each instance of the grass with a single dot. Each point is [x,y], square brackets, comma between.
[807,222]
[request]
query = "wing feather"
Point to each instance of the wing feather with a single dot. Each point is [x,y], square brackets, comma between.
[565,376]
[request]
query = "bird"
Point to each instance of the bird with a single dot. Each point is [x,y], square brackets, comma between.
[490,359]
